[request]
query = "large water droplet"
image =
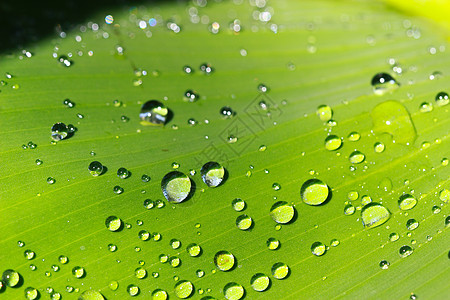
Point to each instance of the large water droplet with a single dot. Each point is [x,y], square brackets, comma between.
[183,289]
[78,272]
[333,142]
[444,195]
[391,117]
[194,250]
[384,264]
[10,277]
[374,214]
[406,202]
[324,112]
[233,291]
[113,223]
[159,294]
[95,168]
[314,192]
[133,290]
[224,260]
[153,112]
[318,249]
[238,204]
[123,173]
[176,186]
[282,212]
[280,270]
[260,282]
[212,173]
[140,273]
[91,295]
[442,99]
[227,112]
[383,83]
[356,157]
[59,131]
[31,293]
[244,222]
[405,251]
[412,224]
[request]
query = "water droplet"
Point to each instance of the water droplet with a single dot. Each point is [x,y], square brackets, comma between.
[64,61]
[78,272]
[436,209]
[175,244]
[407,202]
[227,112]
[356,157]
[374,214]
[263,88]
[91,295]
[51,180]
[233,291]
[123,173]
[68,103]
[31,293]
[314,192]
[212,174]
[191,96]
[183,289]
[29,254]
[140,273]
[163,258]
[334,242]
[206,68]
[349,210]
[20,243]
[260,282]
[444,195]
[133,290]
[149,204]
[383,83]
[188,70]
[393,118]
[244,222]
[159,294]
[276,186]
[282,212]
[444,162]
[112,247]
[117,190]
[352,195]
[176,186]
[354,136]
[144,235]
[33,267]
[442,99]
[318,249]
[405,251]
[56,296]
[280,270]
[39,162]
[378,147]
[425,107]
[153,112]
[325,113]
[333,142]
[224,260]
[95,168]
[192,122]
[59,131]
[238,204]
[412,224]
[174,261]
[384,264]
[10,277]
[272,243]
[447,221]
[113,223]
[194,250]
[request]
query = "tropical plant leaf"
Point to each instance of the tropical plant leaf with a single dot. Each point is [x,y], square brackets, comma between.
[307,54]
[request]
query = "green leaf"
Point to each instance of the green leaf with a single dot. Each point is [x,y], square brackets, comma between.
[310,53]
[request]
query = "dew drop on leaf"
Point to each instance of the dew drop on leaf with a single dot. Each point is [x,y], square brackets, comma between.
[176,186]
[314,192]
[405,251]
[282,212]
[407,202]
[378,147]
[412,224]
[113,223]
[393,118]
[95,168]
[29,254]
[224,260]
[194,250]
[91,295]
[140,273]
[318,249]
[260,282]
[31,293]
[123,173]
[78,272]
[272,243]
[356,157]
[384,264]
[226,112]
[133,290]
[244,222]
[280,270]
[159,294]
[332,142]
[324,112]
[444,195]
[442,99]
[153,112]
[233,291]
[238,204]
[59,131]
[374,214]
[383,83]
[183,289]
[10,277]
[212,173]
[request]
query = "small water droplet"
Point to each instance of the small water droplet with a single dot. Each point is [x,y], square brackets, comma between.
[113,223]
[10,277]
[334,242]
[123,173]
[144,235]
[191,96]
[133,290]
[280,270]
[412,224]
[194,250]
[407,202]
[59,131]
[426,107]
[95,168]
[354,136]
[405,251]
[117,190]
[78,272]
[140,273]
[444,195]
[272,243]
[29,254]
[324,112]
[356,157]
[260,282]
[227,112]
[145,178]
[159,294]
[378,147]
[188,70]
[68,103]
[31,293]
[436,209]
[349,209]
[333,142]
[318,249]
[244,222]
[174,261]
[442,99]
[212,173]
[384,264]
[206,68]
[153,112]
[183,289]
[238,204]
[51,180]
[282,212]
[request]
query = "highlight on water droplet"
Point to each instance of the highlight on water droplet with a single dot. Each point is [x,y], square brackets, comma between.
[280,270]
[282,212]
[227,112]
[183,289]
[383,83]
[314,192]
[224,260]
[406,202]
[233,291]
[212,173]
[374,214]
[153,112]
[260,282]
[318,248]
[176,186]
[393,118]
